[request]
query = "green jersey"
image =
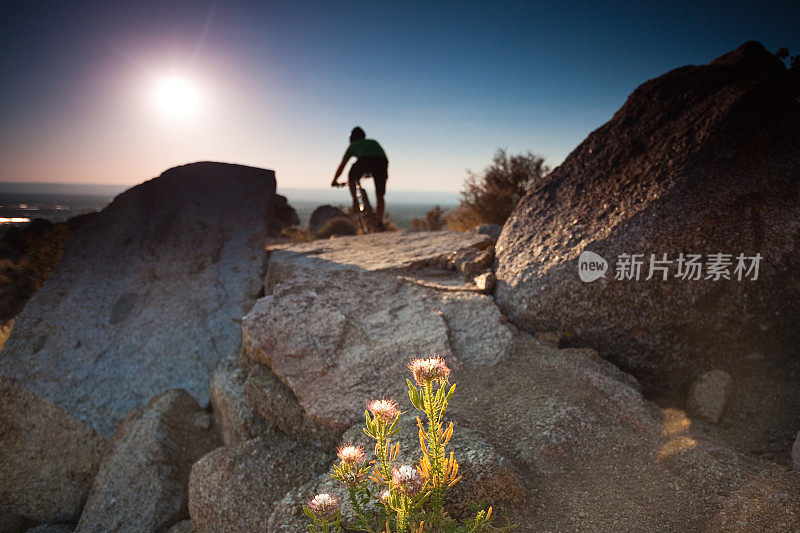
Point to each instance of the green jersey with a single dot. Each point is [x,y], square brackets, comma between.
[364,148]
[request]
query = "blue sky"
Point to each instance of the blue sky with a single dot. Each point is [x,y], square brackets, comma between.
[280,84]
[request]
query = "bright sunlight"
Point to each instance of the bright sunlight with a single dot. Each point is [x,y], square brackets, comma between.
[177,96]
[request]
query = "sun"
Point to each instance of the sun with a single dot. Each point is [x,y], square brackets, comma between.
[177,96]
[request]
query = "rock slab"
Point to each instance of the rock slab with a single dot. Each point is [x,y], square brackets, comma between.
[48,459]
[148,294]
[343,318]
[142,485]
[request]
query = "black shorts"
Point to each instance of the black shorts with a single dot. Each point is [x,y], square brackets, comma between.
[378,167]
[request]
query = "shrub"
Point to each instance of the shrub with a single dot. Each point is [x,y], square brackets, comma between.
[390,497]
[490,197]
[337,226]
[296,234]
[433,221]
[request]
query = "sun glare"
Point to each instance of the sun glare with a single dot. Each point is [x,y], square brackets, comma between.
[177,96]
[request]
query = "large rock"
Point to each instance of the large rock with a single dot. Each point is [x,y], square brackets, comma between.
[233,489]
[142,484]
[334,340]
[148,294]
[47,458]
[701,160]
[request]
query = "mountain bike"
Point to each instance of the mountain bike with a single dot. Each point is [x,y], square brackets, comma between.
[365,216]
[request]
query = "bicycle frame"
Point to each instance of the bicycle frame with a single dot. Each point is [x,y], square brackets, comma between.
[366,216]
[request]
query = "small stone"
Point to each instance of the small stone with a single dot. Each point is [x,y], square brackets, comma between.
[474,259]
[490,230]
[485,282]
[796,452]
[708,395]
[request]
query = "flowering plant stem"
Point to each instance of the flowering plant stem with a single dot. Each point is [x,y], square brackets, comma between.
[436,452]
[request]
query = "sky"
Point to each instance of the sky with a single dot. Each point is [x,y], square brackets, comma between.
[117,92]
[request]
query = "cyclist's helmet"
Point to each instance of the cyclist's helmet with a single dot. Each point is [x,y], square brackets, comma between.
[357,134]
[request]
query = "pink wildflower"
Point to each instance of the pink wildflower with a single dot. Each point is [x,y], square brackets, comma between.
[428,370]
[324,506]
[407,480]
[384,410]
[351,454]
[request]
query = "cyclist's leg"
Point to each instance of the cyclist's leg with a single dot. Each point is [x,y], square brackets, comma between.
[380,174]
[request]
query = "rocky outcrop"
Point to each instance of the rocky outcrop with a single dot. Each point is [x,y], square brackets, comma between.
[702,160]
[148,294]
[233,489]
[142,483]
[47,458]
[566,434]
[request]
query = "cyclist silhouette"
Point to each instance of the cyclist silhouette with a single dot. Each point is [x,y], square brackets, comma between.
[370,159]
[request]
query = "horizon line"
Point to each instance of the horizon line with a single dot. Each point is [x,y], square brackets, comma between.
[278,186]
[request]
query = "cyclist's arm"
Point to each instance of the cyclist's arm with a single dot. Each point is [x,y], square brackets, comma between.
[339,170]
